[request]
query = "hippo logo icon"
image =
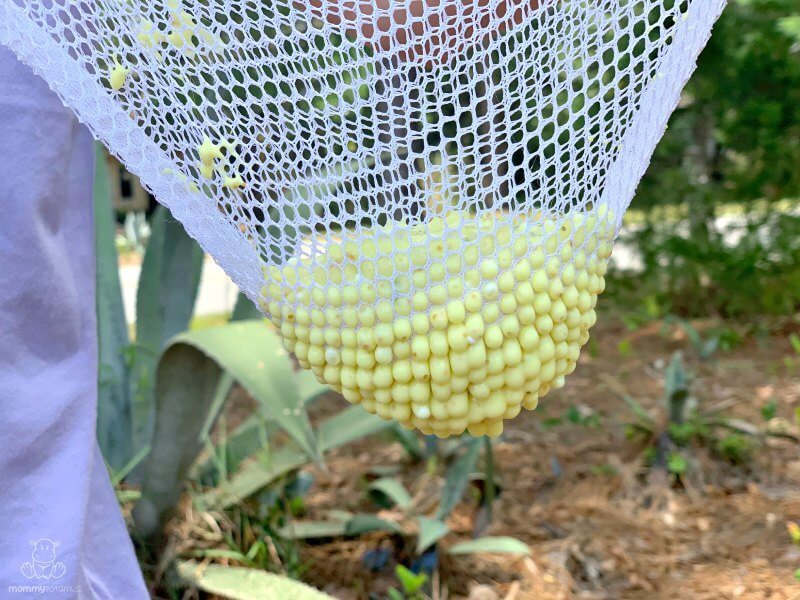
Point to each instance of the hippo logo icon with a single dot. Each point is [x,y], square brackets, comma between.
[43,564]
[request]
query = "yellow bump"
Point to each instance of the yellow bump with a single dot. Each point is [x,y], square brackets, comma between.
[440,369]
[489,270]
[453,264]
[206,171]
[419,278]
[537,258]
[509,326]
[476,355]
[508,304]
[419,301]
[455,288]
[367,293]
[556,289]
[365,359]
[473,301]
[559,333]
[400,393]
[540,282]
[475,327]
[364,380]
[419,257]
[456,312]
[315,335]
[491,291]
[438,343]
[542,303]
[401,349]
[522,271]
[436,273]
[419,392]
[531,400]
[438,294]
[402,329]
[547,349]
[441,392]
[548,371]
[365,338]
[573,320]
[209,152]
[420,324]
[316,356]
[384,312]
[332,375]
[348,377]
[512,353]
[459,384]
[480,391]
[475,412]
[458,405]
[506,282]
[520,247]
[350,317]
[487,246]
[493,337]
[529,338]
[382,377]
[384,335]
[420,370]
[384,355]
[333,317]
[208,37]
[491,312]
[526,314]
[457,338]
[149,35]
[553,266]
[317,295]
[402,307]
[495,405]
[515,377]
[570,297]
[558,312]
[524,293]
[439,317]
[420,349]
[579,261]
[233,183]
[118,76]
[477,429]
[584,301]
[544,324]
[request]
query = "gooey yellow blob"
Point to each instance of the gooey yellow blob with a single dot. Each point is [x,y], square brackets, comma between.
[450,325]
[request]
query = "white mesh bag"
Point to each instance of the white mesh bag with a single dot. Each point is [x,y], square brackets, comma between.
[421,195]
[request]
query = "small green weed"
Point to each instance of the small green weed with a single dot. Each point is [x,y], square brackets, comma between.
[769,410]
[411,584]
[682,424]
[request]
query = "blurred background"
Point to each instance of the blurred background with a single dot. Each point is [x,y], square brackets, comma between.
[668,466]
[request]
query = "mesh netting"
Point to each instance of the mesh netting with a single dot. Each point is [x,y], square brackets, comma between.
[421,195]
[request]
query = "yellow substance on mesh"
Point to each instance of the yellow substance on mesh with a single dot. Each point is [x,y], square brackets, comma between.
[452,325]
[118,75]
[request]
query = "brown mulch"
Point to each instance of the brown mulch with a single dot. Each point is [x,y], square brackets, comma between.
[601,525]
[598,525]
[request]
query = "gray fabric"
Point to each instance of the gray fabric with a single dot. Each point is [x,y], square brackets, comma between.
[54,487]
